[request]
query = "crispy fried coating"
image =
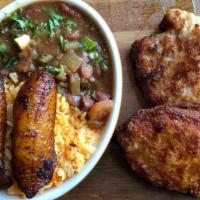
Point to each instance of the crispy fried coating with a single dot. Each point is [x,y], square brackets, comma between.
[167,65]
[162,144]
[4,178]
[34,156]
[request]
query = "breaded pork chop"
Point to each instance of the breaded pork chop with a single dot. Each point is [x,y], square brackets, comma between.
[167,65]
[163,145]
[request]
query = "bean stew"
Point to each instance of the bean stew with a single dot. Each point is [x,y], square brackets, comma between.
[57,38]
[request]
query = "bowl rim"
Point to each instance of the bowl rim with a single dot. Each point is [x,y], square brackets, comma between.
[69,184]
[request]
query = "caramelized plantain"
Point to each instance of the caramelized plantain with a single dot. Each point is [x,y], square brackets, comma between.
[34,157]
[4,178]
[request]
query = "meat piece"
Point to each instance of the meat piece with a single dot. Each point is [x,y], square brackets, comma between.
[163,145]
[99,113]
[75,35]
[101,96]
[74,100]
[167,65]
[4,180]
[25,64]
[86,71]
[34,157]
[4,72]
[87,103]
[68,10]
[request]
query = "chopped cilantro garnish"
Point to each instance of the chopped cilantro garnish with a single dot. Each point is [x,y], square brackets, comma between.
[39,28]
[55,71]
[93,55]
[88,43]
[3,48]
[9,62]
[33,25]
[70,24]
[52,26]
[62,42]
[4,29]
[53,15]
[54,21]
[15,33]
[103,66]
[21,24]
[17,18]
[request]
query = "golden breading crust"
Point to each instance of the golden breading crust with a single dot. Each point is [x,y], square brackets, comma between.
[163,145]
[167,65]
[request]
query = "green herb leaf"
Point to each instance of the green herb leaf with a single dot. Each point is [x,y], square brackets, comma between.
[54,21]
[93,55]
[3,48]
[88,43]
[70,24]
[33,25]
[15,33]
[52,27]
[10,62]
[53,15]
[55,71]
[39,28]
[62,42]
[17,18]
[103,65]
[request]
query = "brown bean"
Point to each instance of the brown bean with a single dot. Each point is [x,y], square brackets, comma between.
[75,35]
[87,103]
[101,96]
[68,10]
[86,71]
[85,57]
[74,100]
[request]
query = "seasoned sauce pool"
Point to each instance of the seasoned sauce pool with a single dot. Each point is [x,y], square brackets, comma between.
[59,39]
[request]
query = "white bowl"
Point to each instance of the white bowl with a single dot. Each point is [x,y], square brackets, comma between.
[67,185]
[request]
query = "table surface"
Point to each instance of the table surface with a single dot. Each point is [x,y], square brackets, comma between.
[112,179]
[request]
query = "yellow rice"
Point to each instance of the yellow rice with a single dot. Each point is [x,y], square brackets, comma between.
[75,141]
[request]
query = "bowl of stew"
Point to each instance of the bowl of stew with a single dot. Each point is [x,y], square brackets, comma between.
[69,41]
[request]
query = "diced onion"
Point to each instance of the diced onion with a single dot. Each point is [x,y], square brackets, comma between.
[72,45]
[75,84]
[72,61]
